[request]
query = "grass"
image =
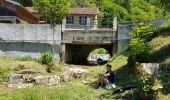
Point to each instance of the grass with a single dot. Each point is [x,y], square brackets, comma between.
[160,47]
[78,89]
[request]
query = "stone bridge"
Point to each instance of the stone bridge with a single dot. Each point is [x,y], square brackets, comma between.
[77,43]
[70,45]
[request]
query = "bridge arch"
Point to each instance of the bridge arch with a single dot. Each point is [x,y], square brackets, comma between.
[78,53]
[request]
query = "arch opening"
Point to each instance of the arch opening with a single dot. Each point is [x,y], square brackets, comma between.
[78,53]
[98,56]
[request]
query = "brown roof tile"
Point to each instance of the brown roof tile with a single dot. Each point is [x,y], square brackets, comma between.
[85,11]
[75,11]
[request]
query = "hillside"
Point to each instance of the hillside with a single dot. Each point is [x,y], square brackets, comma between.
[160,52]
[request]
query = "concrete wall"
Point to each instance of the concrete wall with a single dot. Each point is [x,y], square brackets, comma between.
[29,39]
[89,37]
[125,28]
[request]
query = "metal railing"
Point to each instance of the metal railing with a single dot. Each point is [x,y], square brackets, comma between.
[89,24]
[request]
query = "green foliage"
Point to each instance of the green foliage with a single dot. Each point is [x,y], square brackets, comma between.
[125,10]
[164,26]
[83,3]
[3,74]
[137,46]
[24,58]
[52,9]
[47,58]
[142,31]
[165,4]
[99,51]
[145,83]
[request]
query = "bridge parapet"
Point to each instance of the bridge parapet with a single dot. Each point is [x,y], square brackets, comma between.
[91,32]
[92,36]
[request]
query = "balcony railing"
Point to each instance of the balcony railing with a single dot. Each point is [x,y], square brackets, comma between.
[90,24]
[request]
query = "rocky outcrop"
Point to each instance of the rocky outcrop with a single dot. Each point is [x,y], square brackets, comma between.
[27,78]
[47,80]
[24,80]
[151,68]
[32,71]
[72,73]
[18,81]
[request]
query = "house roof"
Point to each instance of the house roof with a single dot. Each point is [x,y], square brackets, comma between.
[84,11]
[20,11]
[31,9]
[74,11]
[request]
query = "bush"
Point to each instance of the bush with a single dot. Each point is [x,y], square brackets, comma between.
[145,84]
[138,46]
[47,58]
[99,51]
[142,31]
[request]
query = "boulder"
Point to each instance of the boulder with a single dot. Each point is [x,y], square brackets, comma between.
[78,72]
[66,76]
[47,80]
[18,81]
[72,73]
[151,68]
[16,78]
[32,71]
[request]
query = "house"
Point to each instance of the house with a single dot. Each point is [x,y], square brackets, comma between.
[13,12]
[80,17]
[77,17]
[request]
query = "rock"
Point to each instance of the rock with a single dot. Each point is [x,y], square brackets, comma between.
[151,68]
[72,73]
[78,73]
[33,71]
[47,80]
[16,79]
[29,78]
[66,76]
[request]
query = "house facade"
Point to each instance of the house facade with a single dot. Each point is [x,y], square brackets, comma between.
[81,17]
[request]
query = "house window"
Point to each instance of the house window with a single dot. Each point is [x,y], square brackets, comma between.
[70,20]
[83,20]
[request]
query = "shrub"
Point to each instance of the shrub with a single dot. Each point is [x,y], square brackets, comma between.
[47,58]
[142,31]
[99,51]
[145,83]
[138,46]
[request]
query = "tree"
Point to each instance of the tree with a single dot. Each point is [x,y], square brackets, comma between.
[83,3]
[166,4]
[25,3]
[53,10]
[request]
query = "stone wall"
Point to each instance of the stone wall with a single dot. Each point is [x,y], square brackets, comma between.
[125,28]
[29,39]
[95,36]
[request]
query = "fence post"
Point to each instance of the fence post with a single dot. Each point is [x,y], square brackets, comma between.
[115,24]
[88,24]
[63,25]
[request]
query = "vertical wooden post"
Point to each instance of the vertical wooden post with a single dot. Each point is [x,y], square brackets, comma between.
[88,24]
[115,24]
[63,25]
